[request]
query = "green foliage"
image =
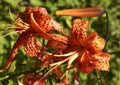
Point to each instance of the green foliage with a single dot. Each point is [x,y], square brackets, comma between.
[22,63]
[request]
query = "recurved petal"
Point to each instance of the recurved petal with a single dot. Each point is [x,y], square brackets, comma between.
[39,13]
[41,32]
[82,63]
[101,61]
[35,26]
[94,43]
[79,31]
[32,46]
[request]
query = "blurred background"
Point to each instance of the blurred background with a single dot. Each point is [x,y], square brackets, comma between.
[8,12]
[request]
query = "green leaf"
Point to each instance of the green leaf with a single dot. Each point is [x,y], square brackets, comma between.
[12,67]
[14,3]
[36,2]
[11,82]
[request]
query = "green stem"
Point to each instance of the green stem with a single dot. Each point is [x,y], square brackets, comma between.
[107,21]
[98,78]
[108,30]
[101,80]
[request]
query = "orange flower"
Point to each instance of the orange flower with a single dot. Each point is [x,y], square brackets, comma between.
[40,16]
[85,50]
[90,55]
[79,47]
[38,23]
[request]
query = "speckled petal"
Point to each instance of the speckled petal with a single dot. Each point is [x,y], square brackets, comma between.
[82,63]
[78,32]
[94,43]
[101,61]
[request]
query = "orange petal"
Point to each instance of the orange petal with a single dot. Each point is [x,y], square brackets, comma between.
[40,14]
[94,43]
[37,28]
[82,63]
[101,61]
[85,12]
[42,33]
[31,47]
[91,37]
[78,32]
[42,17]
[84,67]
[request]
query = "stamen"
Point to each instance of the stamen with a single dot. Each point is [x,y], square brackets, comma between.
[9,34]
[55,65]
[62,55]
[73,57]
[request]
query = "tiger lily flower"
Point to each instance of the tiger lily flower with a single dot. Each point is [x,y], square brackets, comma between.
[38,23]
[92,56]
[86,49]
